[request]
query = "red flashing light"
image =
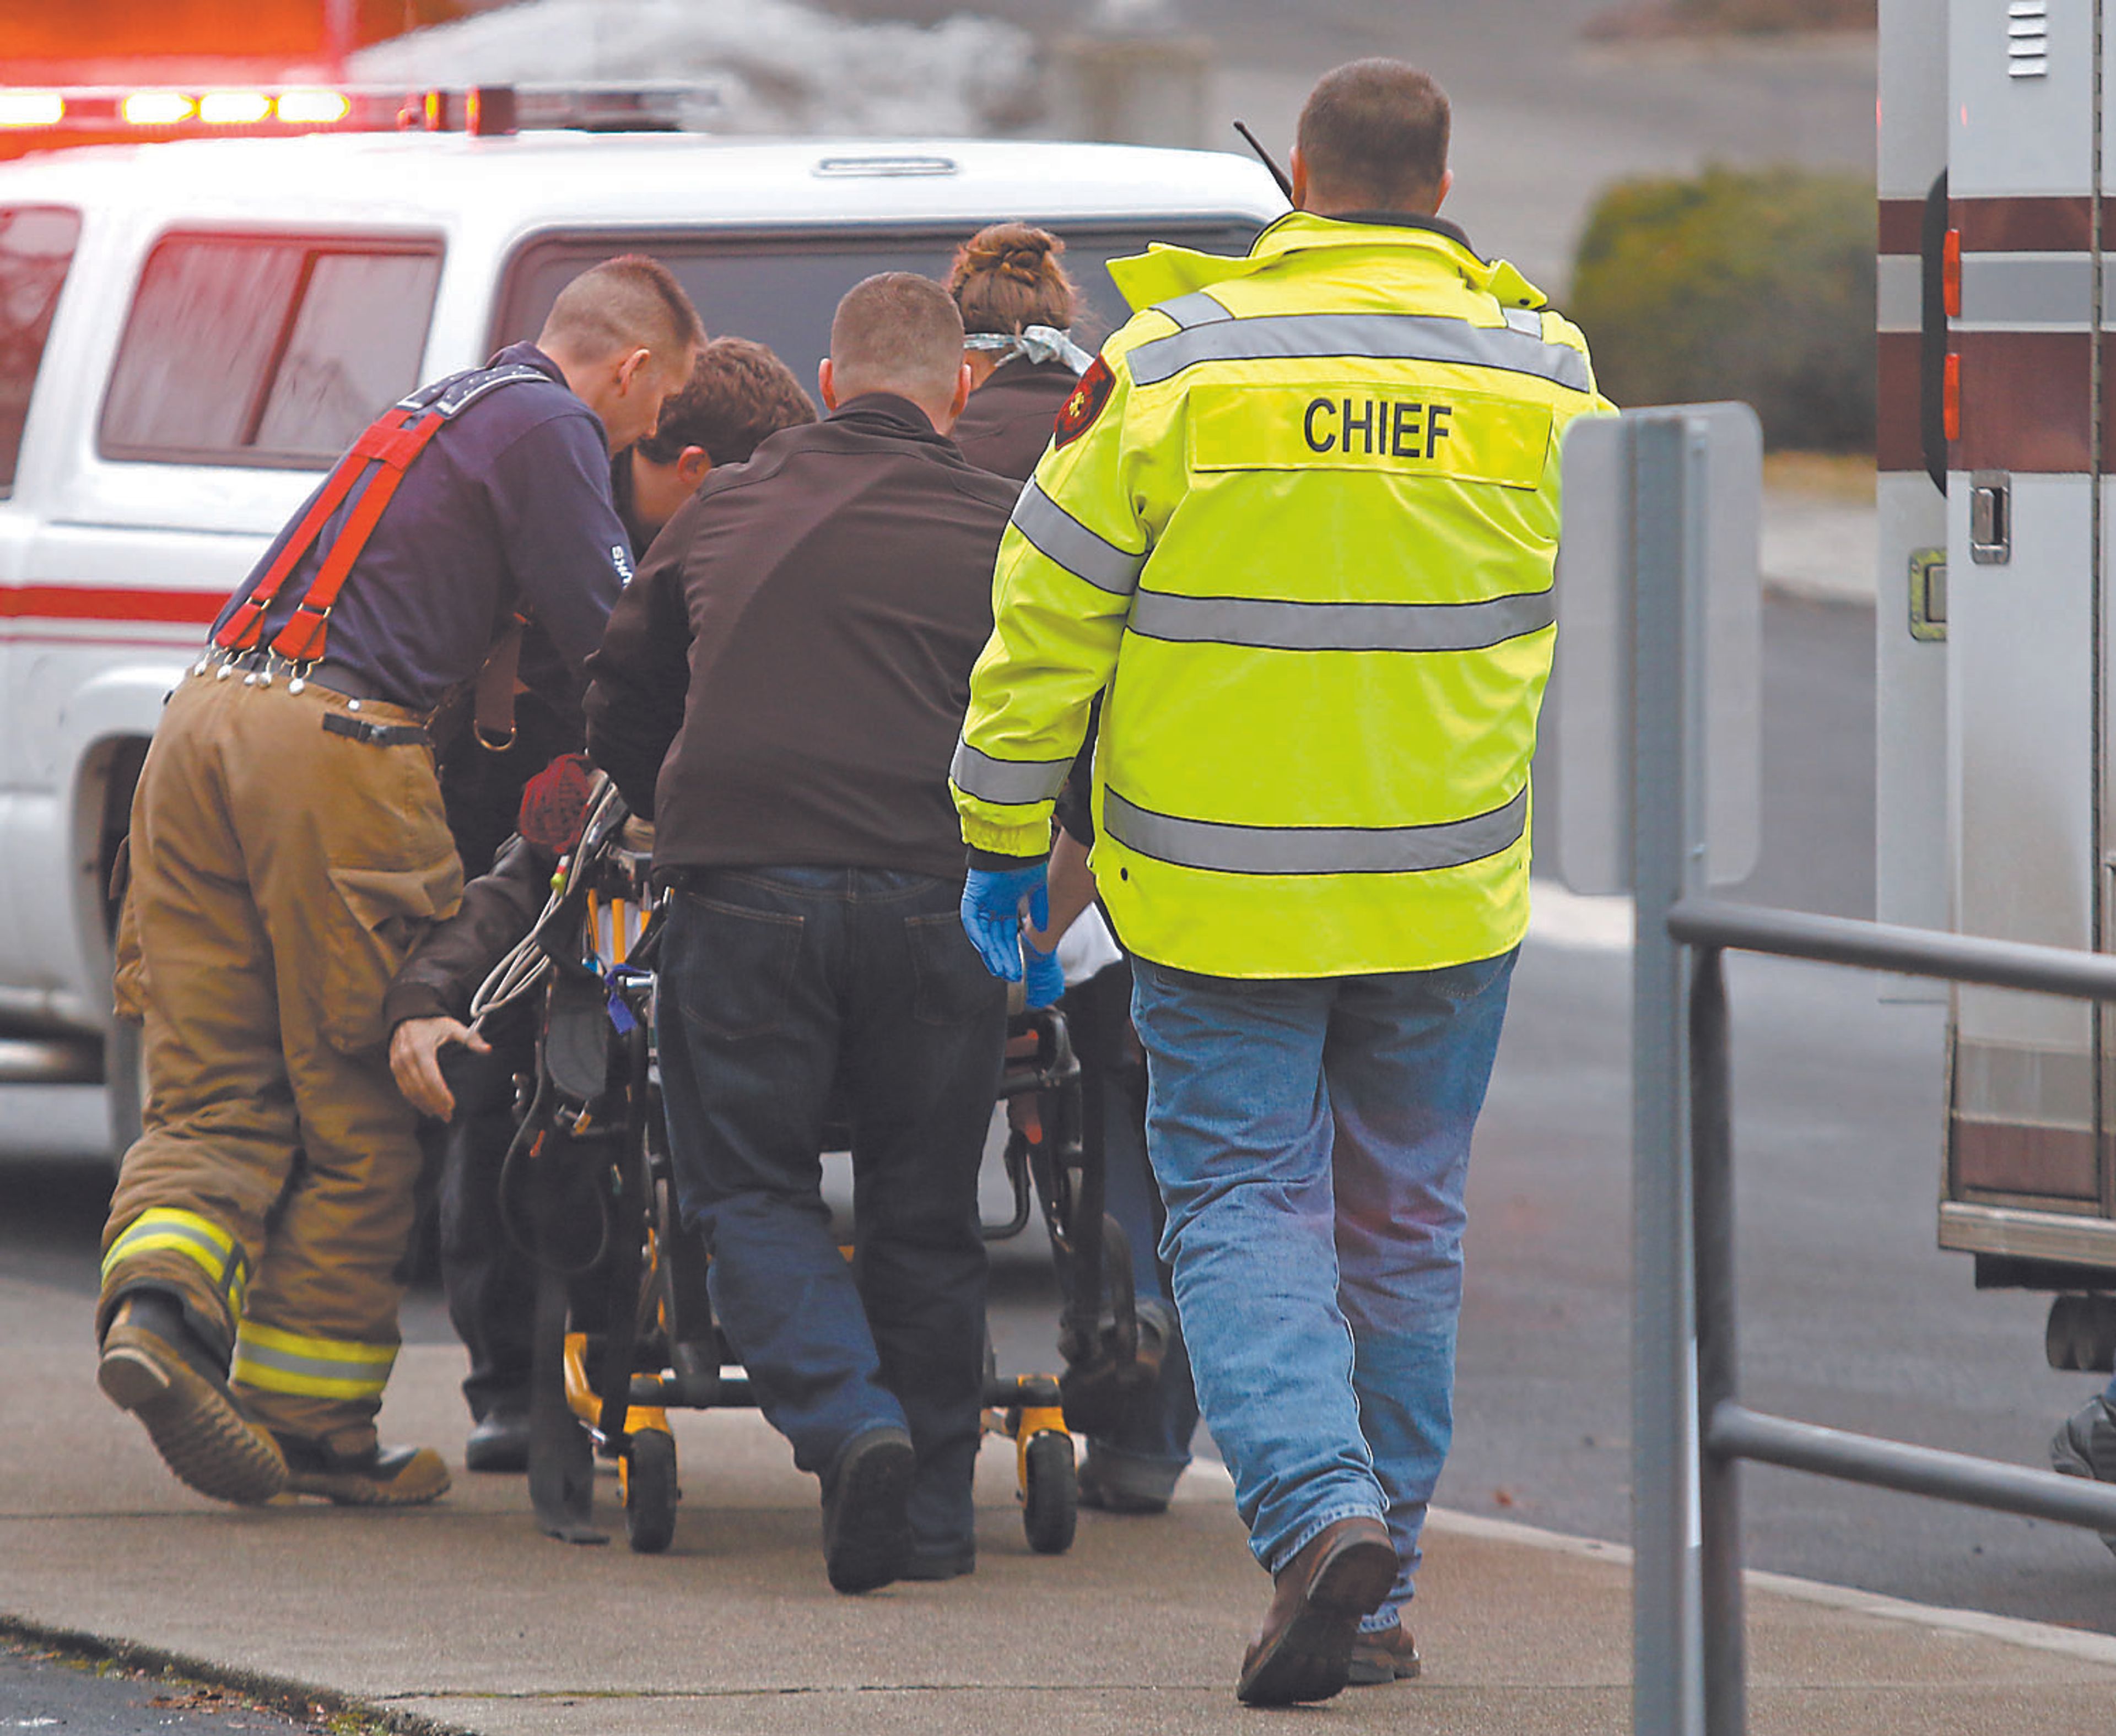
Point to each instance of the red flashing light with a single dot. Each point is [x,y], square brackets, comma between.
[156,108]
[1950,396]
[31,108]
[234,108]
[313,108]
[1950,273]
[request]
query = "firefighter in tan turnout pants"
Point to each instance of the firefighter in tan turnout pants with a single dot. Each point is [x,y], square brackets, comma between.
[288,848]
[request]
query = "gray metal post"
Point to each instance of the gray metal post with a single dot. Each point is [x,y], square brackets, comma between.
[1712,1153]
[1667,819]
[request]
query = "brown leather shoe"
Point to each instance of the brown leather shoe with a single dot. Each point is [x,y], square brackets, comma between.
[1304,1650]
[1390,1655]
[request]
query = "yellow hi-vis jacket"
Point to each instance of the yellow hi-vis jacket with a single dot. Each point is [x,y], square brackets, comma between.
[1300,520]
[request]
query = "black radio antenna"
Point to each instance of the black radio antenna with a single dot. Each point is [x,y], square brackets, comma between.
[1263,156]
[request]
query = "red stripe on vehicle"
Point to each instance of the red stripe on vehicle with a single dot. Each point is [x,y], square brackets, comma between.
[1899,439]
[1902,226]
[2025,405]
[2012,1158]
[2052,225]
[104,603]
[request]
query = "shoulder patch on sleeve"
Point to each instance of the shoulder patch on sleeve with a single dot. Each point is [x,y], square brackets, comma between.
[1077,415]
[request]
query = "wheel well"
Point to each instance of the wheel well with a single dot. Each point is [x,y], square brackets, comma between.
[117,763]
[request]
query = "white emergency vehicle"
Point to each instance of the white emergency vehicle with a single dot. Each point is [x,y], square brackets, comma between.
[191,332]
[1996,774]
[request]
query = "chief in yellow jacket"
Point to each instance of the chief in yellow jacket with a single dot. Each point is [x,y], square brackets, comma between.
[1298,526]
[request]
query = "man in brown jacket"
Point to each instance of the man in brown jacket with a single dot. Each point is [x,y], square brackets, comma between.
[779,690]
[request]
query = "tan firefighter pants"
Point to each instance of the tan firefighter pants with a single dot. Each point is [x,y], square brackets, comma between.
[280,875]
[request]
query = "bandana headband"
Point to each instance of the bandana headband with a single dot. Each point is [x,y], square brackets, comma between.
[1035,343]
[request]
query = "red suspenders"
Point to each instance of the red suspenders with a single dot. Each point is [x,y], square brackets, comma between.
[382,453]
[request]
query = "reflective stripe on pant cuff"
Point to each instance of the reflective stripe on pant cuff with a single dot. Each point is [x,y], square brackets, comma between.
[278,1361]
[167,1228]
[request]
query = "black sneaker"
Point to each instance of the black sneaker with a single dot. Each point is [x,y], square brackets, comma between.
[153,1366]
[867,1532]
[500,1442]
[1106,1493]
[381,1477]
[930,1564]
[2085,1446]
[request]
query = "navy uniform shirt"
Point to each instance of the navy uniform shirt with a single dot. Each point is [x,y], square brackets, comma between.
[508,508]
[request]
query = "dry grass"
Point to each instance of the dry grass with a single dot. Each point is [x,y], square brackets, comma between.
[1654,18]
[1846,476]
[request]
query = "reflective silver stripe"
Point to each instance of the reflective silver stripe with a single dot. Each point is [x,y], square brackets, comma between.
[1195,309]
[1074,546]
[1007,781]
[2027,291]
[1274,626]
[156,1230]
[1379,337]
[251,1357]
[1524,319]
[1203,843]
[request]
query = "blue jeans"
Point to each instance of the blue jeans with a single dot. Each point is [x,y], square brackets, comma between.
[1311,1138]
[774,983]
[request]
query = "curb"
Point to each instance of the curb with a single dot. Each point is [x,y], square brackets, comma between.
[2095,1648]
[283,1694]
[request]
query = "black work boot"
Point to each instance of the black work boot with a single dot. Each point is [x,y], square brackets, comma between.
[381,1477]
[2085,1446]
[867,1529]
[155,1366]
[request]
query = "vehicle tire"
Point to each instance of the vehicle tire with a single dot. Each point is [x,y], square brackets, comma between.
[2067,1336]
[651,1493]
[1050,1500]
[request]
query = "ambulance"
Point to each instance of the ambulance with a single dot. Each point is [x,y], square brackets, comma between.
[192,329]
[1996,776]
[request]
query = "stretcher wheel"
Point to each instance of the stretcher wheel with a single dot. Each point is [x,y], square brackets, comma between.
[649,1475]
[1051,1493]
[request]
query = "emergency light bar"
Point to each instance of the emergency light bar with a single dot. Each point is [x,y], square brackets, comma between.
[484,110]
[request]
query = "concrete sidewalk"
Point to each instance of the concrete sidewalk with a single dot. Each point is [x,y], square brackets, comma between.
[464,1616]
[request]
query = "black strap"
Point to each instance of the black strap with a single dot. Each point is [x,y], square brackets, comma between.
[374,734]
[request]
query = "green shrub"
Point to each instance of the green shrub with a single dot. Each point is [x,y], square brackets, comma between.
[1779,15]
[1739,284]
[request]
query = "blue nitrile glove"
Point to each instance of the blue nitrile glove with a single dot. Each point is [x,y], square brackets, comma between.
[1042,975]
[992,914]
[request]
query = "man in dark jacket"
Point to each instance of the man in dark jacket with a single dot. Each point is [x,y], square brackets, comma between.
[780,690]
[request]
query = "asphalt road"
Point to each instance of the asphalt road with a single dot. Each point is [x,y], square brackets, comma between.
[43,1689]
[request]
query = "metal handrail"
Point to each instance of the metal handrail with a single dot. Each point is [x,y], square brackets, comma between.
[1729,1431]
[1881,946]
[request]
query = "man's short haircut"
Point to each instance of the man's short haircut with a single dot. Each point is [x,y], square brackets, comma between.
[628,303]
[740,396]
[897,332]
[1375,132]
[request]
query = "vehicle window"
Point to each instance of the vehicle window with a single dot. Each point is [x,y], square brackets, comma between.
[36,246]
[266,350]
[782,290]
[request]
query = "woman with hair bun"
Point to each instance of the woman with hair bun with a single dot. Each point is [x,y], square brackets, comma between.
[1018,306]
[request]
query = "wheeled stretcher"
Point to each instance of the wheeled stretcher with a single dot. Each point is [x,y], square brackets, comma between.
[625,1331]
